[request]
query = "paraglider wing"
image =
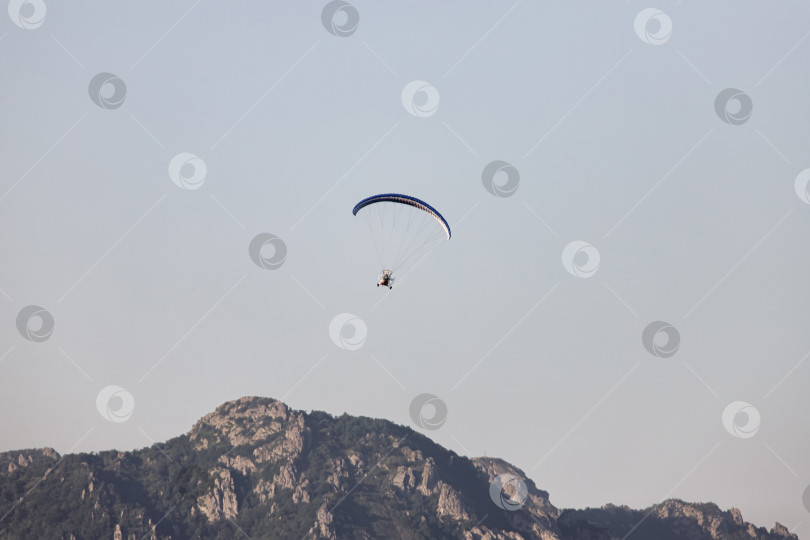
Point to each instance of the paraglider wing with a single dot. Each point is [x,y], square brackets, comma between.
[404,199]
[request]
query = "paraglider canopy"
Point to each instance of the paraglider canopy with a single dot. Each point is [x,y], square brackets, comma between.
[402,227]
[404,199]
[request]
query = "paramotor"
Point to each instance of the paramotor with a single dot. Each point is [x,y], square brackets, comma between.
[402,227]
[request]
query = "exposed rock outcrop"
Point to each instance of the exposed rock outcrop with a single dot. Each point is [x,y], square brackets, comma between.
[220,502]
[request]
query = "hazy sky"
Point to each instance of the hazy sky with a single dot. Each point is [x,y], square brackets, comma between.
[615,130]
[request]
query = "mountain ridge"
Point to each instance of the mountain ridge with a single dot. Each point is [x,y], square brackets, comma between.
[255,467]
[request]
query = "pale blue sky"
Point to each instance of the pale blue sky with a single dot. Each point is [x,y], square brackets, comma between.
[617,143]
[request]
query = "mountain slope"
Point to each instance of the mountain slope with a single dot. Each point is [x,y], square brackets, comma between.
[256,468]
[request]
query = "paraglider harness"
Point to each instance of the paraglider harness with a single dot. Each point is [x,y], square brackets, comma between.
[386,279]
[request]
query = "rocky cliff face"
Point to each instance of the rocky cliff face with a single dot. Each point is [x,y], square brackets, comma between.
[255,467]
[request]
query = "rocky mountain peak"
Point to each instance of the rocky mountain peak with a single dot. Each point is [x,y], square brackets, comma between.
[247,420]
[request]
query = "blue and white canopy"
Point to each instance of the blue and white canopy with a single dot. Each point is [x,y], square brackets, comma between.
[404,199]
